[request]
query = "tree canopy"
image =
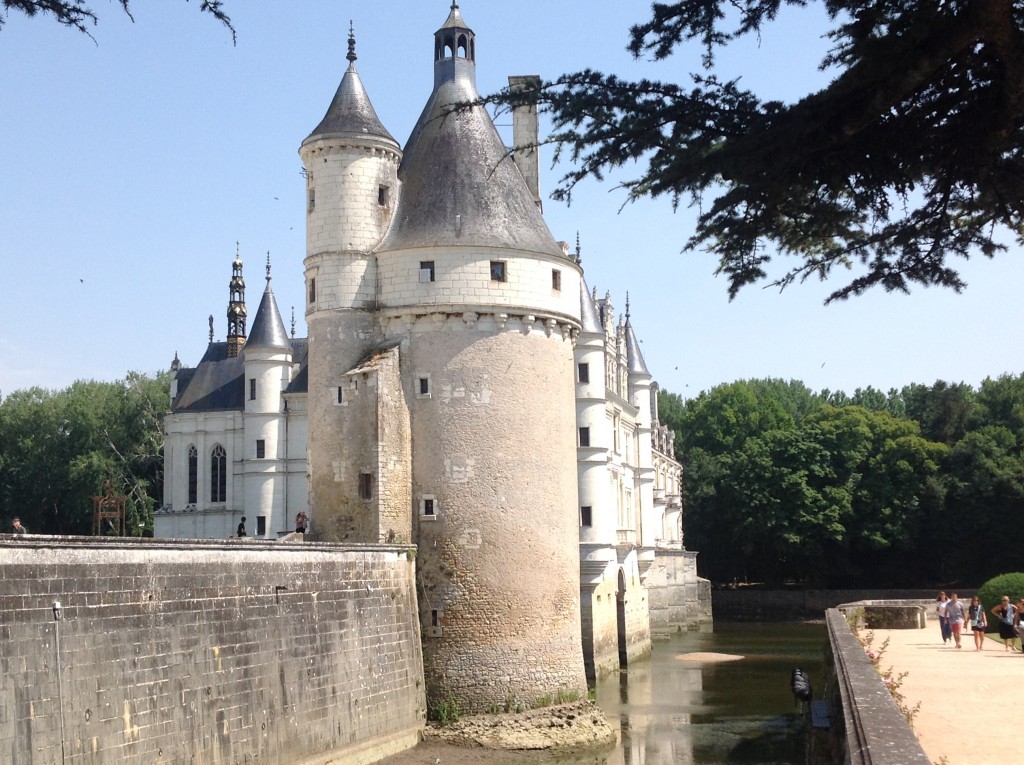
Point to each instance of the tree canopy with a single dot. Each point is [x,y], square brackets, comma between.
[77,14]
[58,447]
[914,487]
[912,156]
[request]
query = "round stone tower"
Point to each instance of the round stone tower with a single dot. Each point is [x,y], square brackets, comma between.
[351,167]
[485,307]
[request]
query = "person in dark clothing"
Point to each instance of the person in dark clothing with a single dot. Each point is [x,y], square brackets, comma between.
[241,528]
[18,528]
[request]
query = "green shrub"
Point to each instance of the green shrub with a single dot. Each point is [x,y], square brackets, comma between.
[991,593]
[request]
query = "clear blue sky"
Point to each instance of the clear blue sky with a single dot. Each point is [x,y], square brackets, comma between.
[129,168]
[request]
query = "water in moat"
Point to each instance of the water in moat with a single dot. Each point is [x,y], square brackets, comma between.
[673,710]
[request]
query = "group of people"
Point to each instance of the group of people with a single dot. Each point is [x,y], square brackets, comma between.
[301,525]
[953,617]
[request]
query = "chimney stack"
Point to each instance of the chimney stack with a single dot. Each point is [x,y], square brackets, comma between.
[526,134]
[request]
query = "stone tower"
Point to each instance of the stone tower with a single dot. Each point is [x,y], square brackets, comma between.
[351,169]
[267,358]
[441,381]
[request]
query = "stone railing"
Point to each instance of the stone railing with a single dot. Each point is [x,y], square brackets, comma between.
[873,730]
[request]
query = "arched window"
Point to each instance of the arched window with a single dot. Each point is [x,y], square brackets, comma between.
[218,475]
[193,475]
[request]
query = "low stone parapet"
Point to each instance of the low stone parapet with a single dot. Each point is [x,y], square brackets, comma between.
[868,726]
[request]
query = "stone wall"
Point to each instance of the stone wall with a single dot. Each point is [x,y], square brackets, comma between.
[206,653]
[679,599]
[751,603]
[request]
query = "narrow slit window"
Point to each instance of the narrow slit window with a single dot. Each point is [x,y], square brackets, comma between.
[365,486]
[583,372]
[556,279]
[312,289]
[312,200]
[261,449]
[584,436]
[252,388]
[423,386]
[383,196]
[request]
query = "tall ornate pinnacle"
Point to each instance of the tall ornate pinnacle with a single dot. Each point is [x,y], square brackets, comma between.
[627,306]
[351,43]
[211,327]
[293,321]
[268,268]
[579,252]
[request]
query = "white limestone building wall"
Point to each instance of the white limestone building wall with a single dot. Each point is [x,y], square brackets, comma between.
[593,460]
[205,431]
[295,460]
[338,282]
[462,277]
[344,182]
[650,520]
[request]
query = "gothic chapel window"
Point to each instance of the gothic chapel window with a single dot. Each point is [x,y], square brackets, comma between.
[193,475]
[218,475]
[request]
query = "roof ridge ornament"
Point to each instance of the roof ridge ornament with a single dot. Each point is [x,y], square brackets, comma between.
[351,43]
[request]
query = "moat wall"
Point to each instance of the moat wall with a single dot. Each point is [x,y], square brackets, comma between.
[206,653]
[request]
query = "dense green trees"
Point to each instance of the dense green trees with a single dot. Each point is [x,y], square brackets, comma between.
[58,447]
[909,487]
[911,156]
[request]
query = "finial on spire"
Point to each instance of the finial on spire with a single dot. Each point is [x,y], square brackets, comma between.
[579,257]
[211,327]
[455,5]
[293,321]
[268,268]
[627,306]
[351,43]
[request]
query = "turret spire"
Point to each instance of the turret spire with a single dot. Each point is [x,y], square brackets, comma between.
[236,307]
[351,43]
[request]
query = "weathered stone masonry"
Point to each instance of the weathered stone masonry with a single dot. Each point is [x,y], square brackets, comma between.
[206,653]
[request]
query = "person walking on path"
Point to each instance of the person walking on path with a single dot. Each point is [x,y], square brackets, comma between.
[940,609]
[241,528]
[1007,614]
[1019,621]
[955,616]
[979,623]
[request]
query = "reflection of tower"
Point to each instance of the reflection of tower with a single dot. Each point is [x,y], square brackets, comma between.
[236,308]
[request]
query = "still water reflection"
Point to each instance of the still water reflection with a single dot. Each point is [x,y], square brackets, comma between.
[675,711]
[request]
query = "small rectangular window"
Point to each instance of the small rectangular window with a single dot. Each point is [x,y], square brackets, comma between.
[498,271]
[433,617]
[584,436]
[383,196]
[556,279]
[261,525]
[426,271]
[365,486]
[424,386]
[586,518]
[341,394]
[583,372]
[428,507]
[261,449]
[252,388]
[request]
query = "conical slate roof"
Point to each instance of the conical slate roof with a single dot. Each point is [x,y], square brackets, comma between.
[634,358]
[268,332]
[460,186]
[351,111]
[589,316]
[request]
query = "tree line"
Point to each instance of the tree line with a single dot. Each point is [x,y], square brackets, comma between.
[915,487]
[58,447]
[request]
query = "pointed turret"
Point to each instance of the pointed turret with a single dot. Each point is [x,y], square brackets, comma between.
[268,332]
[634,358]
[351,111]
